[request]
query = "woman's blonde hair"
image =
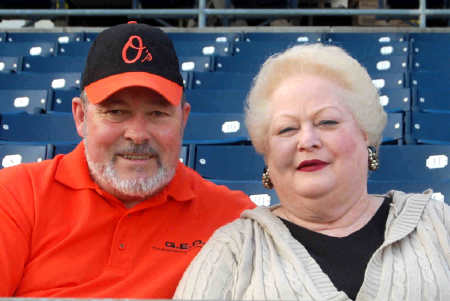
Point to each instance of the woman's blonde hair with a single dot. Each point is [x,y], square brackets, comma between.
[330,62]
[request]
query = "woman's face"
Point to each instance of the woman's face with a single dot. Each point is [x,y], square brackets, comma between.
[315,146]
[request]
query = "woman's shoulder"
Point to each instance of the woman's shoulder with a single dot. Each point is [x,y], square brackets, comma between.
[425,203]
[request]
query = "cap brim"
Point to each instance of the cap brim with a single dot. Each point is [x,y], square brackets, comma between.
[105,87]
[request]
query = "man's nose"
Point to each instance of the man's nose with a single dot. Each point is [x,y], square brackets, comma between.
[137,130]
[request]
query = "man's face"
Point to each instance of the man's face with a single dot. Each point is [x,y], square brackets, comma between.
[132,142]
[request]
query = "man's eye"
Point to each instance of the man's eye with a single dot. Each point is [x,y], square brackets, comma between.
[158,113]
[115,112]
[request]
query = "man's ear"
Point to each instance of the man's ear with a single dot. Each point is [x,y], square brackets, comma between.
[186,110]
[78,115]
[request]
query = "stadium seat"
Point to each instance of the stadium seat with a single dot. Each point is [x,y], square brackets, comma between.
[214,128]
[196,63]
[40,80]
[2,37]
[53,37]
[60,148]
[216,101]
[221,80]
[210,37]
[198,48]
[431,128]
[388,80]
[21,100]
[441,190]
[377,38]
[414,163]
[431,79]
[363,50]
[427,57]
[62,100]
[74,49]
[9,64]
[393,64]
[412,168]
[239,64]
[14,154]
[431,99]
[254,189]
[394,131]
[396,100]
[53,64]
[38,128]
[37,48]
[289,37]
[228,162]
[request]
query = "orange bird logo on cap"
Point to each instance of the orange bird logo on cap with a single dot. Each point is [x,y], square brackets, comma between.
[141,50]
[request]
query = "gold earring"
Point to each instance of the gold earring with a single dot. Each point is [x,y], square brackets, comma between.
[374,163]
[267,183]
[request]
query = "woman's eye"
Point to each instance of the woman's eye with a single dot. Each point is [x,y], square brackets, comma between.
[328,122]
[285,130]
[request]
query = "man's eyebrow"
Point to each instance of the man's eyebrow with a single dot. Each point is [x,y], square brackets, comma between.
[112,101]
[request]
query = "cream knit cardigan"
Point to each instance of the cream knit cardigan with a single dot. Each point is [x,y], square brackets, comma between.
[256,258]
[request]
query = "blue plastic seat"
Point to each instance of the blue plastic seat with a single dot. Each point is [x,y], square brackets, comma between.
[60,148]
[392,64]
[54,37]
[9,64]
[61,100]
[216,101]
[254,189]
[394,130]
[37,48]
[196,63]
[74,49]
[414,163]
[431,79]
[31,101]
[396,100]
[431,99]
[38,128]
[14,154]
[289,37]
[221,80]
[209,37]
[40,80]
[214,128]
[376,38]
[389,80]
[198,48]
[53,64]
[430,56]
[431,128]
[228,162]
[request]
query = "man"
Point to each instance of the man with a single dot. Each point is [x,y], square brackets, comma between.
[120,216]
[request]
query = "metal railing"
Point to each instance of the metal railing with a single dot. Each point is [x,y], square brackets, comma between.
[202,12]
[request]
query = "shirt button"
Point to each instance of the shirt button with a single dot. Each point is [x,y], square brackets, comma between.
[122,246]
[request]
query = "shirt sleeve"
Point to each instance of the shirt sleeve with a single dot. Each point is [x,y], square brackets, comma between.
[15,233]
[211,274]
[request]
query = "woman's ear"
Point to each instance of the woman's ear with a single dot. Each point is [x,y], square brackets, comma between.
[78,112]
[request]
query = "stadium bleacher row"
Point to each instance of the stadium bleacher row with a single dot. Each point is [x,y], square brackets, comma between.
[40,74]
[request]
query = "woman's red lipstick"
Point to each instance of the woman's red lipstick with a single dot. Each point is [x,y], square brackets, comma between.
[311,165]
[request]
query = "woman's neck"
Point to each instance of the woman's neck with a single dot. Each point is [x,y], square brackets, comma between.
[331,218]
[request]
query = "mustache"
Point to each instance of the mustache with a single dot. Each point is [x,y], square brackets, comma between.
[139,149]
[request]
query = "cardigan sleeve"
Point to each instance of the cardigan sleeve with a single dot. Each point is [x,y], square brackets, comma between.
[211,274]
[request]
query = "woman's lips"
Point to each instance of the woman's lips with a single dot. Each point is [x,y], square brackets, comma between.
[311,165]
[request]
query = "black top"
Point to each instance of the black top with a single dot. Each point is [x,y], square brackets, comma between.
[344,259]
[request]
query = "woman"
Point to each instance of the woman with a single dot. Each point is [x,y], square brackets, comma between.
[314,114]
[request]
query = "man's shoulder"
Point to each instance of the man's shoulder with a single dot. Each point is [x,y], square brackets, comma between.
[21,172]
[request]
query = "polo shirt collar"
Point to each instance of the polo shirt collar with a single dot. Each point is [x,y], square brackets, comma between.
[73,171]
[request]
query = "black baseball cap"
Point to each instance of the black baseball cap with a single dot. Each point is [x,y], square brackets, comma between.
[132,55]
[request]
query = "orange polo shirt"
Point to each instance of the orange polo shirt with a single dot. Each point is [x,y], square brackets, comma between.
[62,236]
